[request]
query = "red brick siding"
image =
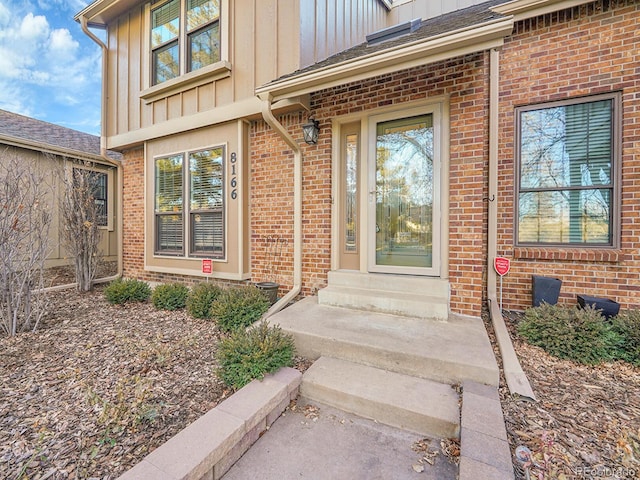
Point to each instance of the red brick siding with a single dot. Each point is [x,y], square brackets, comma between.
[465,80]
[133,228]
[580,51]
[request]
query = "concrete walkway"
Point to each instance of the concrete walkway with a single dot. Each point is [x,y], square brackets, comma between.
[330,444]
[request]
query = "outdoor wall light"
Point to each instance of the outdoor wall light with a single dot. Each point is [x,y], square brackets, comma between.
[310,131]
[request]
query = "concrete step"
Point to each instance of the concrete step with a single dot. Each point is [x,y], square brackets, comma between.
[414,296]
[418,405]
[447,352]
[395,303]
[393,283]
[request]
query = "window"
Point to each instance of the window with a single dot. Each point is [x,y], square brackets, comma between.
[96,183]
[203,182]
[566,181]
[201,24]
[207,220]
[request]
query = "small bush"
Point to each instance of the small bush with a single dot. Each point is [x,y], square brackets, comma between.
[576,334]
[171,296]
[201,298]
[131,290]
[239,307]
[249,354]
[627,326]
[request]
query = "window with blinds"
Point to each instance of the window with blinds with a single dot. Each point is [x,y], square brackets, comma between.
[202,182]
[566,182]
[169,205]
[201,24]
[206,203]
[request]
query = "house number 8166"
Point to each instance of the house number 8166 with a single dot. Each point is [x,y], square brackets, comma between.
[234,179]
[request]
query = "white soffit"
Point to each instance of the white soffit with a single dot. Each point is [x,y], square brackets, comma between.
[523,9]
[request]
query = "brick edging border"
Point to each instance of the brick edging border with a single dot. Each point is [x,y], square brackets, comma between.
[208,447]
[484,447]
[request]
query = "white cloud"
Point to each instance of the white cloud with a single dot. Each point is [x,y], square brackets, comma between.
[45,69]
[5,15]
[33,27]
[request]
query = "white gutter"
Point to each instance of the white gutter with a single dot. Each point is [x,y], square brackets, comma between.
[267,114]
[516,379]
[103,150]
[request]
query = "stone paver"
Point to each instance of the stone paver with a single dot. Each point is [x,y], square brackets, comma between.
[336,445]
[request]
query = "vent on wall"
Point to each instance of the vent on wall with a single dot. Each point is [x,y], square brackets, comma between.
[393,32]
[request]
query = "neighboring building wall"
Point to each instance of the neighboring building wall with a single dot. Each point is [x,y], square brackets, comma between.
[577,52]
[328,28]
[465,81]
[407,11]
[58,256]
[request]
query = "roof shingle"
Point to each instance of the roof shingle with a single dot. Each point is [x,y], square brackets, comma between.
[33,130]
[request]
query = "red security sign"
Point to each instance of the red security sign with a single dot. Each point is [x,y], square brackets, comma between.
[502,265]
[207,265]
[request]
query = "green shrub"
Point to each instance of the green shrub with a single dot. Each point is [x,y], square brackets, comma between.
[171,296]
[131,290]
[576,334]
[252,353]
[201,298]
[627,326]
[239,307]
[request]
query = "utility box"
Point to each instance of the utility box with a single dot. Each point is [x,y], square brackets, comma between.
[544,289]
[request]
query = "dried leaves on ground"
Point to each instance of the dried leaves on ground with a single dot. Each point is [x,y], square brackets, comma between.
[586,421]
[99,386]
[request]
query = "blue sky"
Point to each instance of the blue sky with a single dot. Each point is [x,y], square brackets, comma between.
[49,69]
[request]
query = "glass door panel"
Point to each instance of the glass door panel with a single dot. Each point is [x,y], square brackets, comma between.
[404,193]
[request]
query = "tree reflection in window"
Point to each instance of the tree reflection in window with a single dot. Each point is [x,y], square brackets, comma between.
[566,160]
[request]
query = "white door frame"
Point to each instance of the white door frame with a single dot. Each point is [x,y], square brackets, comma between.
[434,270]
[439,106]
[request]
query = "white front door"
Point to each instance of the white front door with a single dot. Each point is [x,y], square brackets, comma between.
[404,203]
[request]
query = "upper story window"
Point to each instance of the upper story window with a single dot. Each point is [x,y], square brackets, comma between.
[567,158]
[201,218]
[185,36]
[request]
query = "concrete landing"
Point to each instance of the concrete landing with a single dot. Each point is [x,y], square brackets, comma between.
[331,444]
[415,404]
[408,295]
[443,351]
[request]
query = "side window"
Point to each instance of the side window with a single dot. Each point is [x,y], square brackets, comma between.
[165,35]
[169,205]
[96,183]
[566,182]
[185,36]
[203,31]
[206,212]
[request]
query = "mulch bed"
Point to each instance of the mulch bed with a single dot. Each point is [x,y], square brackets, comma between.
[99,386]
[586,421]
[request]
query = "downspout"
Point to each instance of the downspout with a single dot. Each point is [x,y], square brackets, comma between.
[103,151]
[516,379]
[268,117]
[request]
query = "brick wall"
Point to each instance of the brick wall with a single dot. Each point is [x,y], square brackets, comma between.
[133,228]
[584,50]
[580,51]
[133,201]
[465,81]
